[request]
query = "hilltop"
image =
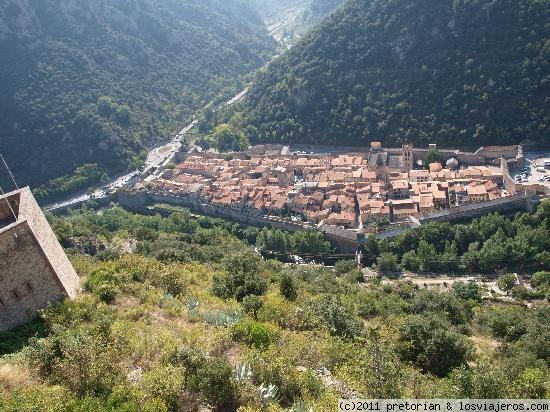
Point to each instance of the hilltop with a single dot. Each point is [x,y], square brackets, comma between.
[92,83]
[469,73]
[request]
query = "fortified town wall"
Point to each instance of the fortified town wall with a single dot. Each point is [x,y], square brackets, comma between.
[139,201]
[472,210]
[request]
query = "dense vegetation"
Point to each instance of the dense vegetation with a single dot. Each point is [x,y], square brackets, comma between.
[454,72]
[92,82]
[219,326]
[83,177]
[275,8]
[318,10]
[489,244]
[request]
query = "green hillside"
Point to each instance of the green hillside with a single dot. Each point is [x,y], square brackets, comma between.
[462,72]
[182,314]
[319,9]
[94,82]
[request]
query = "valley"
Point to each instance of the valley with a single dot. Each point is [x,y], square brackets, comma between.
[273,205]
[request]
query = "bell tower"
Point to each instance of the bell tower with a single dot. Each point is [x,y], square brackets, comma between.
[407,153]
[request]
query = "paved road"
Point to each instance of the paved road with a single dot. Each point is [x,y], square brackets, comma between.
[238,97]
[282,25]
[156,157]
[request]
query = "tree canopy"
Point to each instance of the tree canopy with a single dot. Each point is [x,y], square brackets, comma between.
[452,72]
[98,82]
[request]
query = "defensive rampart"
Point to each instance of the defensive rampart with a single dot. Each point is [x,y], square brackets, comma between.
[138,202]
[472,210]
[513,187]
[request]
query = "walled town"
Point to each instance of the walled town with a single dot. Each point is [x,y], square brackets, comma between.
[352,190]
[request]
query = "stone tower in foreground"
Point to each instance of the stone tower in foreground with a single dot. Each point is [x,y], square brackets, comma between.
[34,269]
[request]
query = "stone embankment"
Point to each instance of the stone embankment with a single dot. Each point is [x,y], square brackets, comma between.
[347,240]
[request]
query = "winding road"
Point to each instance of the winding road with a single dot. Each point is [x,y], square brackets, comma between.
[156,157]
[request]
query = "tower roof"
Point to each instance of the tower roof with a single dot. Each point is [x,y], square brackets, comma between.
[24,212]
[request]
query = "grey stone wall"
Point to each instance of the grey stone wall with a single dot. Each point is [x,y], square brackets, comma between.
[512,186]
[509,183]
[27,281]
[138,202]
[47,241]
[515,202]
[34,269]
[228,213]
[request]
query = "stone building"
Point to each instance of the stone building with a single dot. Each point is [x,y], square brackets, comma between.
[34,270]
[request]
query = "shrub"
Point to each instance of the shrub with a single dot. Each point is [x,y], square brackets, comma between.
[215,382]
[519,292]
[506,282]
[338,318]
[243,278]
[38,398]
[537,339]
[367,306]
[311,385]
[107,292]
[532,384]
[355,276]
[467,291]
[541,280]
[105,284]
[387,262]
[279,372]
[344,266]
[221,287]
[72,313]
[481,381]
[287,287]
[252,333]
[78,359]
[190,359]
[164,383]
[129,398]
[432,344]
[380,368]
[455,310]
[410,261]
[509,323]
[252,305]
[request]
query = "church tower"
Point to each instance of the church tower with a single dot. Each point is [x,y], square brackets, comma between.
[408,157]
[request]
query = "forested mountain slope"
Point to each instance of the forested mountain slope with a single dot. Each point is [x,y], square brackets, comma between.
[318,10]
[454,72]
[93,81]
[270,7]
